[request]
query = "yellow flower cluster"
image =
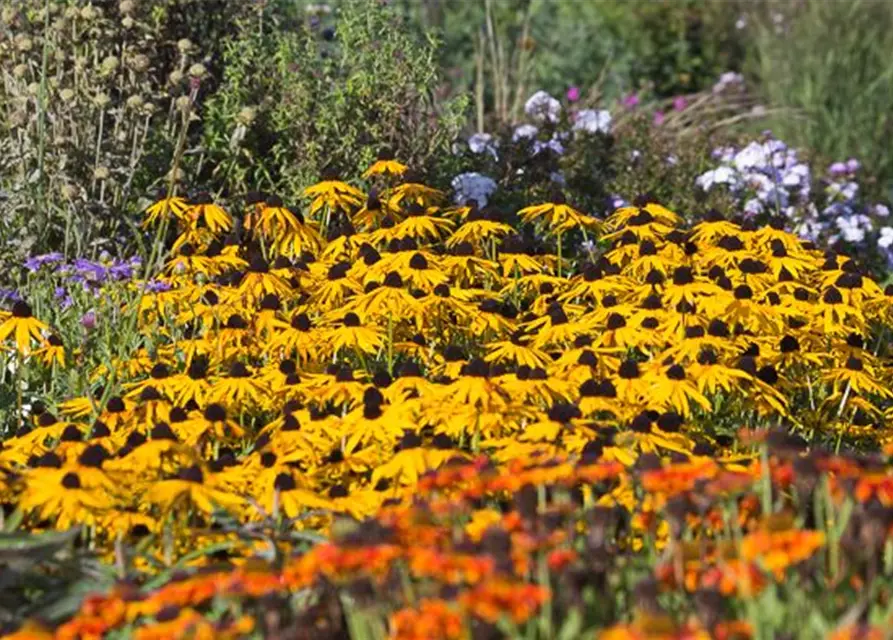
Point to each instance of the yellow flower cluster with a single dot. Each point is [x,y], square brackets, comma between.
[301,367]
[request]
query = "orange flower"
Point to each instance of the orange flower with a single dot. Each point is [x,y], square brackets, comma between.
[496,598]
[776,551]
[433,619]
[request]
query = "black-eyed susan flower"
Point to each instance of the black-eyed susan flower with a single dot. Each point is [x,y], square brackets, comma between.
[22,327]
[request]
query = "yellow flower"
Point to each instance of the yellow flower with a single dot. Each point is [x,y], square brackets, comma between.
[22,327]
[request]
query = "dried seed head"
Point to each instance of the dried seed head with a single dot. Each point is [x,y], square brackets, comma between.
[135,102]
[183,103]
[247,115]
[176,77]
[67,95]
[198,71]
[89,13]
[184,45]
[127,22]
[19,70]
[109,64]
[101,100]
[23,43]
[127,7]
[139,62]
[101,173]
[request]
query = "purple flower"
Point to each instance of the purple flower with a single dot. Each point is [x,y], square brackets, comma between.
[573,94]
[853,165]
[9,295]
[34,263]
[88,320]
[90,271]
[156,286]
[659,118]
[837,169]
[679,103]
[631,100]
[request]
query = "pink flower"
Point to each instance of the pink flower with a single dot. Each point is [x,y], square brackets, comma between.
[88,321]
[659,117]
[631,100]
[679,103]
[573,94]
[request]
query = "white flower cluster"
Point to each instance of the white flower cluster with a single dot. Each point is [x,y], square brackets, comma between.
[542,109]
[767,177]
[473,186]
[768,174]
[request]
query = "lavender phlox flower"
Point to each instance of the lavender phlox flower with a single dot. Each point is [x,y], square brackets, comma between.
[853,165]
[473,186]
[723,154]
[810,229]
[558,178]
[796,175]
[554,144]
[483,143]
[843,190]
[853,227]
[593,121]
[541,106]
[524,132]
[881,210]
[837,169]
[753,207]
[34,263]
[720,175]
[885,240]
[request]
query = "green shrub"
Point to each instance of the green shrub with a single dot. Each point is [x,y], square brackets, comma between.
[88,120]
[829,65]
[293,101]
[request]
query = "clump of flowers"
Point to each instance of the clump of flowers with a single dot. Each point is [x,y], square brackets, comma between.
[769,179]
[377,408]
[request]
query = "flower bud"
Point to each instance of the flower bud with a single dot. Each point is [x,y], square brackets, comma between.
[67,95]
[127,22]
[101,173]
[184,45]
[126,7]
